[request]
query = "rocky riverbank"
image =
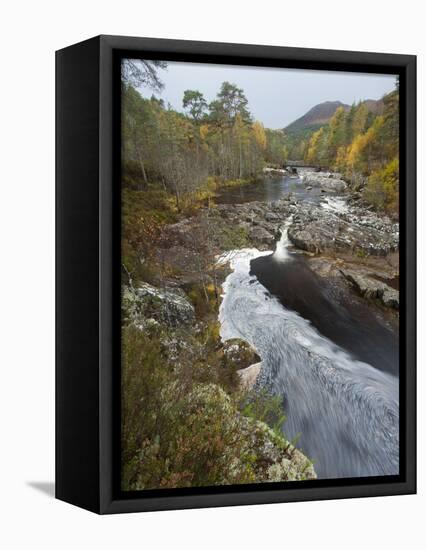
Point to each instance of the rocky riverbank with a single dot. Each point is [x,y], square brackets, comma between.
[334,225]
[167,315]
[353,242]
[340,236]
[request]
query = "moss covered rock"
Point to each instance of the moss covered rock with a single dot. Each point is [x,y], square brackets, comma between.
[208,441]
[240,353]
[169,307]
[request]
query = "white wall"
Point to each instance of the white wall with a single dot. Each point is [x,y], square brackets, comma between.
[30,33]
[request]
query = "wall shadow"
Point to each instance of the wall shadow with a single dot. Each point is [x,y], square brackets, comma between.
[46,487]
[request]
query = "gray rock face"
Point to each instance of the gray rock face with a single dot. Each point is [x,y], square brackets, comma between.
[261,237]
[337,224]
[148,304]
[272,217]
[333,226]
[373,289]
[262,220]
[180,233]
[328,181]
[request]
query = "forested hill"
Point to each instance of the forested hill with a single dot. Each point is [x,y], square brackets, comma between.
[300,131]
[319,114]
[361,142]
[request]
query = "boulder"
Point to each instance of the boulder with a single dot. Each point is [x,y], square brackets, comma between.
[169,307]
[273,171]
[371,288]
[334,225]
[261,237]
[272,217]
[249,375]
[305,239]
[240,353]
[328,181]
[179,234]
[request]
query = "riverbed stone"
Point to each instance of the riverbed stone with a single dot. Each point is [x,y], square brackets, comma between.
[272,217]
[328,181]
[261,237]
[337,227]
[371,288]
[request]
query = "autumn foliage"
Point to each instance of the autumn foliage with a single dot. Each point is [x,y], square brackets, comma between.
[364,147]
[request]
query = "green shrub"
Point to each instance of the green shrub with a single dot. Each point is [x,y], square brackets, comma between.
[263,406]
[186,421]
[175,432]
[204,298]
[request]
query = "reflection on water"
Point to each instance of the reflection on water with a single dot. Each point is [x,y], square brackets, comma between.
[270,188]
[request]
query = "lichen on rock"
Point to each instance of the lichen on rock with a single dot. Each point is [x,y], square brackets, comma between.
[165,306]
[263,454]
[240,353]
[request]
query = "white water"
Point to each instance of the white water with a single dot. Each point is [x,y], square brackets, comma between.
[281,253]
[346,411]
[335,205]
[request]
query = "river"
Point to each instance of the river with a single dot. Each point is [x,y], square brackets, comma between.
[330,356]
[268,189]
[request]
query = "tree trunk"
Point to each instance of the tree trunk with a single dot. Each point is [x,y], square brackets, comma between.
[142,166]
[241,159]
[177,197]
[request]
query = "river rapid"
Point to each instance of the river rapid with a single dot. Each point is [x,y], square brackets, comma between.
[334,363]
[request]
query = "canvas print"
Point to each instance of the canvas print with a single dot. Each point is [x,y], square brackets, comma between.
[259,275]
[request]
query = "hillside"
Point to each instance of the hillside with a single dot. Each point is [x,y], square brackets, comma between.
[300,131]
[376,106]
[317,116]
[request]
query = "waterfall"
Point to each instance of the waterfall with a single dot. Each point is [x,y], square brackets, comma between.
[346,411]
[281,253]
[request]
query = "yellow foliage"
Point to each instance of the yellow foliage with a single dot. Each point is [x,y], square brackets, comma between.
[314,144]
[204,131]
[361,150]
[341,159]
[259,134]
[360,119]
[382,188]
[355,149]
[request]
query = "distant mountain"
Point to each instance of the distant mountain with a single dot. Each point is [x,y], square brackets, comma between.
[322,113]
[317,116]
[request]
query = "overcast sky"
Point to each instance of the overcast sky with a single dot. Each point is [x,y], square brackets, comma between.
[276,96]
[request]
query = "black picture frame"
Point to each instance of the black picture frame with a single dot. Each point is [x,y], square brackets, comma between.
[87,273]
